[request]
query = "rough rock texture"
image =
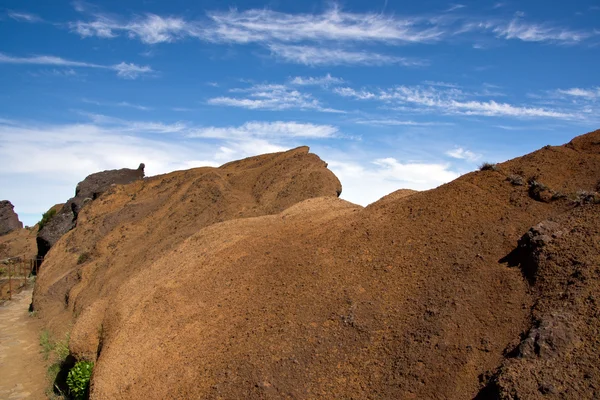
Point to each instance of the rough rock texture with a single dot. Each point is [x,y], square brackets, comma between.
[19,243]
[9,220]
[89,189]
[419,295]
[558,357]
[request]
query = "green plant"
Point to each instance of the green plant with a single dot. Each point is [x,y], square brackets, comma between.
[47,346]
[83,257]
[516,180]
[585,197]
[61,348]
[486,166]
[46,217]
[78,379]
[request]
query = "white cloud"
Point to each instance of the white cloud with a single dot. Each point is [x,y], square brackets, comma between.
[317,56]
[529,32]
[23,16]
[326,80]
[117,104]
[331,37]
[451,101]
[274,130]
[441,84]
[455,7]
[592,93]
[349,92]
[398,122]
[151,29]
[262,25]
[463,154]
[124,70]
[131,71]
[137,126]
[271,97]
[366,183]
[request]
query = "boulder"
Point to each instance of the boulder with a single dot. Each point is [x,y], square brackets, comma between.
[9,220]
[90,188]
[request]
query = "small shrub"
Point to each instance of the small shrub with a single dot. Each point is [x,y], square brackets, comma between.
[46,217]
[559,196]
[62,348]
[486,166]
[78,379]
[585,197]
[83,257]
[516,180]
[46,344]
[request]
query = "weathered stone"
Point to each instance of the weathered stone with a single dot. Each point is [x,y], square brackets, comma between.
[90,188]
[9,220]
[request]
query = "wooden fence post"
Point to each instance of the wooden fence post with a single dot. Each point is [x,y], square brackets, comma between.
[9,283]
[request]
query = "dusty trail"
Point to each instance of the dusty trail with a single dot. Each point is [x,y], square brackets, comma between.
[22,373]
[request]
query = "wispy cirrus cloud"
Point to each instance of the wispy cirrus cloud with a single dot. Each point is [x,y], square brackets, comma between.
[455,7]
[149,29]
[117,104]
[263,25]
[333,37]
[319,56]
[333,25]
[326,81]
[23,16]
[450,101]
[463,154]
[531,32]
[273,97]
[139,127]
[123,69]
[399,122]
[272,130]
[590,93]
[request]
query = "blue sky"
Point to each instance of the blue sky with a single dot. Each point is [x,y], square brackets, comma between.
[391,94]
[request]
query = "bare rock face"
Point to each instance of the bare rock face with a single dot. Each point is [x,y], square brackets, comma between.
[254,281]
[9,220]
[88,189]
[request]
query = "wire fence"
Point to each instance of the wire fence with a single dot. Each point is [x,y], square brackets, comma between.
[15,273]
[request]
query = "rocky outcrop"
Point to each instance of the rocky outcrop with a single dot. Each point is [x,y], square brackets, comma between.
[558,356]
[87,190]
[9,220]
[254,281]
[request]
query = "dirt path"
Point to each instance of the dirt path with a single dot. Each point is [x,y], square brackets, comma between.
[22,372]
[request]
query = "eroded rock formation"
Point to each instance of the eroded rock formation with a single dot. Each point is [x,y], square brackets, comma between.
[255,281]
[9,220]
[87,190]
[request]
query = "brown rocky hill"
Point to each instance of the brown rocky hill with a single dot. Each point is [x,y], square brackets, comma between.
[254,281]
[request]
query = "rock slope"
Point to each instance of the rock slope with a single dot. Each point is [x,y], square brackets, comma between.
[255,281]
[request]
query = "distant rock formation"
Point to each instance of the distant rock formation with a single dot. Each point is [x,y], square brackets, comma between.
[9,220]
[88,189]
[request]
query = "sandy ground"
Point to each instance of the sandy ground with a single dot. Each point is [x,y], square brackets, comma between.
[22,372]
